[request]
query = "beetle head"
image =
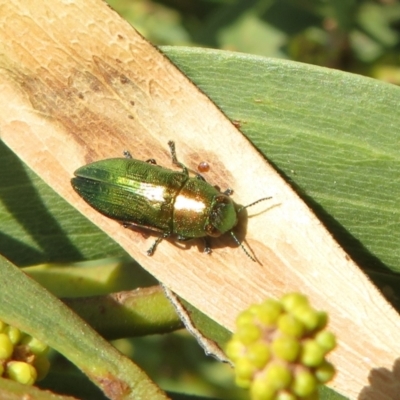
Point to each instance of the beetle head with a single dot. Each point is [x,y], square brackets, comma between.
[222,217]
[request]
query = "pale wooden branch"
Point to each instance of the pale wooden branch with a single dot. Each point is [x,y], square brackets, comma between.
[78,84]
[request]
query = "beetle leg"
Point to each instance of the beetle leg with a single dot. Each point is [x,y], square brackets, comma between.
[207,245]
[175,161]
[228,192]
[183,238]
[152,249]
[200,177]
[151,161]
[127,154]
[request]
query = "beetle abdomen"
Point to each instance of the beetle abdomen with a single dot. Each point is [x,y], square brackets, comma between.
[131,191]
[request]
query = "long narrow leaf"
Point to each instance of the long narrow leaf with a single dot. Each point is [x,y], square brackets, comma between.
[28,306]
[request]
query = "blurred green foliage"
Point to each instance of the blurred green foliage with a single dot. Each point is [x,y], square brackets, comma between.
[360,36]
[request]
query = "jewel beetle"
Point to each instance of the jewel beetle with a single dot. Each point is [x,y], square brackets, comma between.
[144,195]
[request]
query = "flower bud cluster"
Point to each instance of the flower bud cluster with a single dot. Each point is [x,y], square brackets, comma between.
[279,349]
[22,357]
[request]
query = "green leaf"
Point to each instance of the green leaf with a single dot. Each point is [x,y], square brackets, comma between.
[37,225]
[91,278]
[331,134]
[29,307]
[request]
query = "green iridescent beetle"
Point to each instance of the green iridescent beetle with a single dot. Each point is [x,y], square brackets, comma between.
[145,195]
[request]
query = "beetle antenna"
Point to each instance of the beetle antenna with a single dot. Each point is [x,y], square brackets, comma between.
[243,248]
[233,235]
[254,203]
